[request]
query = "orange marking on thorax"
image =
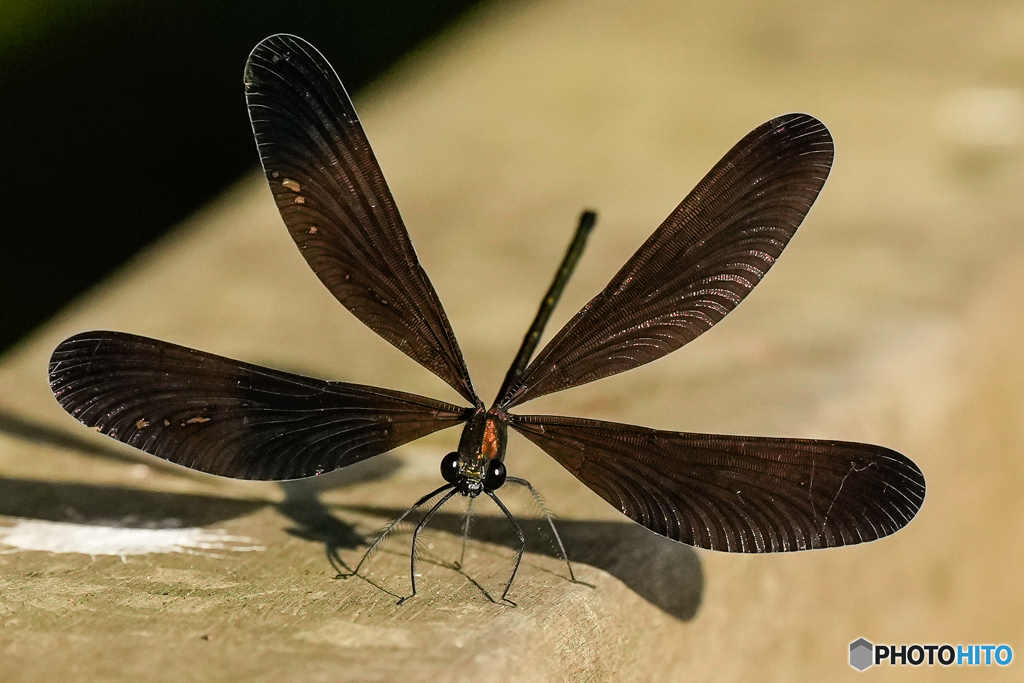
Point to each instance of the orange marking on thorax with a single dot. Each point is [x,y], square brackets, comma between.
[489,447]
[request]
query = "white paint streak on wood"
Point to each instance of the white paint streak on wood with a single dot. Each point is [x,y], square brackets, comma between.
[109,539]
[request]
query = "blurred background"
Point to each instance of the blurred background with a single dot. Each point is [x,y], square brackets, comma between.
[121,118]
[895,316]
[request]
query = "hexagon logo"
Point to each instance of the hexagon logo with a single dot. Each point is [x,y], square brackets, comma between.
[861,654]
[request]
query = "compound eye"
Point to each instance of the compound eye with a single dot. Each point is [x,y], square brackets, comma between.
[450,467]
[495,475]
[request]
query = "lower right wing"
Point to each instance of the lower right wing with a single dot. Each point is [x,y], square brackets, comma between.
[736,493]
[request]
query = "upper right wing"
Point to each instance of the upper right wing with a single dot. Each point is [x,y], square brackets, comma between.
[230,418]
[698,265]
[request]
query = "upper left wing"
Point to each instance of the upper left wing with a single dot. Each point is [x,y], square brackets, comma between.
[337,205]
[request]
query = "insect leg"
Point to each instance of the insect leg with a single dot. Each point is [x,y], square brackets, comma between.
[465,534]
[547,516]
[388,529]
[415,537]
[522,544]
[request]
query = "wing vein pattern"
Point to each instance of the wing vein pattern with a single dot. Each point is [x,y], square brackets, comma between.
[230,418]
[736,493]
[698,265]
[338,208]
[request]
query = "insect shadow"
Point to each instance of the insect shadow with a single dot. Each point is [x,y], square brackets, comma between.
[666,574]
[40,433]
[669,577]
[76,502]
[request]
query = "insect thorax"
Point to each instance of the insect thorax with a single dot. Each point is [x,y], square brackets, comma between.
[483,439]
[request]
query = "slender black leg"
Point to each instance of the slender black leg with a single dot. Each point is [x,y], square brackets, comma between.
[387,530]
[465,535]
[522,545]
[547,515]
[415,536]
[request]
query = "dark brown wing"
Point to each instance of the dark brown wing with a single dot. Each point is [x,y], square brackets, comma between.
[695,268]
[230,418]
[737,493]
[338,208]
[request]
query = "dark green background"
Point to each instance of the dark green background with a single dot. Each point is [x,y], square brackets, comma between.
[121,117]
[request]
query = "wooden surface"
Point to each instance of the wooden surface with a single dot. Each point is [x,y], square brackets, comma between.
[895,316]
